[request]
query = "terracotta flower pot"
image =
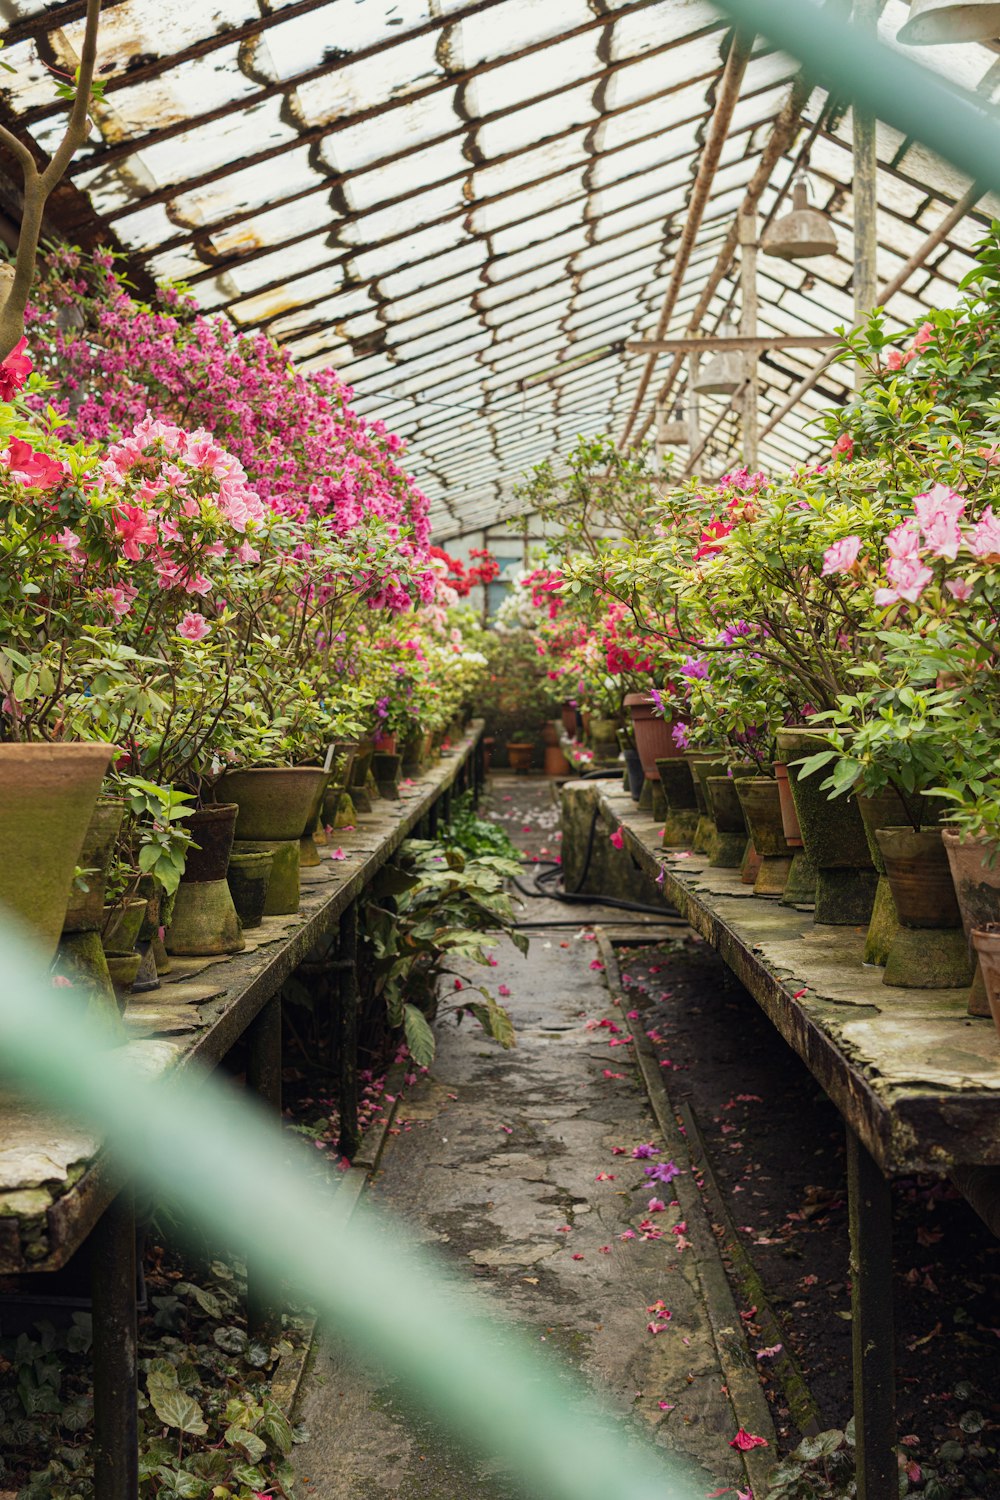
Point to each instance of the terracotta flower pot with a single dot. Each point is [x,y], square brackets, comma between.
[886,809]
[309,854]
[634,773]
[762,807]
[929,949]
[47,796]
[569,720]
[386,743]
[274,801]
[704,763]
[976,875]
[833,837]
[550,734]
[986,942]
[556,763]
[520,756]
[789,817]
[213,829]
[85,912]
[653,734]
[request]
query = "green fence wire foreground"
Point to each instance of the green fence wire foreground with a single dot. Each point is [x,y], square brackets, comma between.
[847,60]
[226,1164]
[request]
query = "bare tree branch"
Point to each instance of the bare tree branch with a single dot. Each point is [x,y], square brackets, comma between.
[38,186]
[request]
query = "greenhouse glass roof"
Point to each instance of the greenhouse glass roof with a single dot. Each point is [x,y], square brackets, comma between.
[470,208]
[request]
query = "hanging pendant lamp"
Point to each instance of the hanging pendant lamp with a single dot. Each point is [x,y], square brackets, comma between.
[725,372]
[937,22]
[802,232]
[674,430]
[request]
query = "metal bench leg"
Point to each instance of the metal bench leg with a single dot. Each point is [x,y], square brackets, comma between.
[432,820]
[478,771]
[446,804]
[347,1036]
[870,1207]
[116,1443]
[264,1079]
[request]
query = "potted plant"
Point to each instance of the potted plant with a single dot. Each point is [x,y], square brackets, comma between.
[521,751]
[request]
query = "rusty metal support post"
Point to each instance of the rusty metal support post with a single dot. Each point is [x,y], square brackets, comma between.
[112,1261]
[870,1211]
[865,192]
[347,1030]
[748,327]
[264,1080]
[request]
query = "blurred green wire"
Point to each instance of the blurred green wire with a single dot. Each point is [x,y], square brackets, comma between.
[226,1163]
[848,61]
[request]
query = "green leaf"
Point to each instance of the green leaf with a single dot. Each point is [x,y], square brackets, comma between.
[419,1036]
[230,1340]
[247,1444]
[175,1408]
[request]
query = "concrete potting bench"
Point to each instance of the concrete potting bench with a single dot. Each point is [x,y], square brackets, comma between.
[916,1079]
[59,1186]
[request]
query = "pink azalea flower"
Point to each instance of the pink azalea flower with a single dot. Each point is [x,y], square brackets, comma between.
[841,556]
[657,1206]
[595,963]
[744,1441]
[193,627]
[617,838]
[959,589]
[67,539]
[338,854]
[984,542]
[503,989]
[938,512]
[35,470]
[645,1151]
[894,360]
[135,529]
[843,447]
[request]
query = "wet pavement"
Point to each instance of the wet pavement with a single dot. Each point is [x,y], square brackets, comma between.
[518,1168]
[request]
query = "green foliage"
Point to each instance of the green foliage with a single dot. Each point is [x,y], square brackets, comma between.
[474,835]
[516,689]
[600,490]
[434,906]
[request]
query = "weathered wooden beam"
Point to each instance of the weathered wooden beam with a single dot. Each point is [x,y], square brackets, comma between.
[726,101]
[747,343]
[864,188]
[747,231]
[780,139]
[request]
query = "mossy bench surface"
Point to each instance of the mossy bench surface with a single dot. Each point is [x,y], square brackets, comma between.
[916,1077]
[55,1180]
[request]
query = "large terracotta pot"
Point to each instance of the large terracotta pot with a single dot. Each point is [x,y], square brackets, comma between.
[762,807]
[47,797]
[789,817]
[986,941]
[929,950]
[274,802]
[569,720]
[520,756]
[730,822]
[85,911]
[833,836]
[213,830]
[653,735]
[975,870]
[888,808]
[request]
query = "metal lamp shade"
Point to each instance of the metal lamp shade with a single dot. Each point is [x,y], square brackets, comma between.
[725,372]
[802,232]
[940,22]
[674,431]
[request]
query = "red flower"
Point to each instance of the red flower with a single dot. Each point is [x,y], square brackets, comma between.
[844,447]
[36,470]
[14,371]
[711,537]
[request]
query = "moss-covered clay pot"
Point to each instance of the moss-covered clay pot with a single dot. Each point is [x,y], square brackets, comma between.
[704,763]
[833,836]
[929,950]
[800,887]
[387,770]
[81,959]
[85,912]
[885,809]
[274,801]
[986,944]
[283,891]
[248,877]
[732,833]
[360,788]
[309,855]
[975,872]
[47,796]
[759,796]
[204,922]
[123,968]
[681,817]
[121,926]
[212,828]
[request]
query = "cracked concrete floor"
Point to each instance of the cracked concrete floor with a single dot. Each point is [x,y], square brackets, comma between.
[496,1154]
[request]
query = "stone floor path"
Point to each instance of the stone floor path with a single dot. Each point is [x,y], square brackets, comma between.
[507,1164]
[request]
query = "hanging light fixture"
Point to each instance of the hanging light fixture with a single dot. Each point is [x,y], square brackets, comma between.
[936,22]
[725,372]
[674,430]
[802,232]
